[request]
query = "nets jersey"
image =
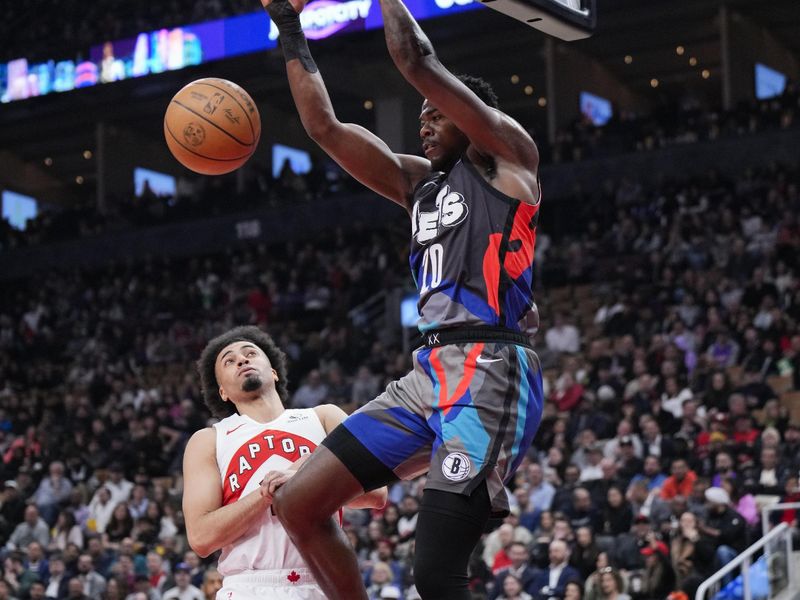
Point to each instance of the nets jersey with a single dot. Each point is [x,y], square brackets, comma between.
[246,452]
[471,251]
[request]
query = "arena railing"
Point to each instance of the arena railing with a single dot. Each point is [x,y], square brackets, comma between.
[765,577]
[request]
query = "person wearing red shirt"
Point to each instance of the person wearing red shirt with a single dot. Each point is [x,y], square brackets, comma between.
[680,482]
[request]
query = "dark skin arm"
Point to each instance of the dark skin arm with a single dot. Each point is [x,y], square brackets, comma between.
[357,150]
[495,139]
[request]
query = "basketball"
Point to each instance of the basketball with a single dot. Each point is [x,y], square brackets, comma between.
[212,126]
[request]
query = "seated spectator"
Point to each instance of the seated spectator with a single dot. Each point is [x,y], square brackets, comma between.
[724,526]
[32,529]
[101,508]
[551,582]
[520,568]
[94,584]
[584,555]
[573,591]
[541,491]
[183,590]
[212,583]
[651,473]
[380,579]
[680,482]
[53,492]
[513,589]
[611,585]
[36,562]
[617,514]
[65,531]
[57,581]
[657,578]
[690,553]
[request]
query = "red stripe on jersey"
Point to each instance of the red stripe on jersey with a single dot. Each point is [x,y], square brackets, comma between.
[463,385]
[518,260]
[254,452]
[491,271]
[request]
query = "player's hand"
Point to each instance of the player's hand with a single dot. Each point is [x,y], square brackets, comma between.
[273,481]
[297,5]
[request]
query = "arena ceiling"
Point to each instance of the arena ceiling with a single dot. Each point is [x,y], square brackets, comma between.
[484,43]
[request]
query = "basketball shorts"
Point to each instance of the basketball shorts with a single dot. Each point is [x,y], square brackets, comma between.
[290,584]
[467,412]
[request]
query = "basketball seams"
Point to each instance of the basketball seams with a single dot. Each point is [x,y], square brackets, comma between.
[210,122]
[166,126]
[244,110]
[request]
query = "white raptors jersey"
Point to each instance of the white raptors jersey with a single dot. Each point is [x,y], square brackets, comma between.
[246,452]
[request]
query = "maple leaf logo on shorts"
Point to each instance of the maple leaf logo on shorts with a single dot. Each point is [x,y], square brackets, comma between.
[293,577]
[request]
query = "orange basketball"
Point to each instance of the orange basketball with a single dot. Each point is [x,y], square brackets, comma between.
[212,126]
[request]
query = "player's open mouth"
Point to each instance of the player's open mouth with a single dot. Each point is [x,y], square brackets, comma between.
[247,370]
[427,148]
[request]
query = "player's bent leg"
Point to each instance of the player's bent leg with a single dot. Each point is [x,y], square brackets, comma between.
[305,506]
[448,528]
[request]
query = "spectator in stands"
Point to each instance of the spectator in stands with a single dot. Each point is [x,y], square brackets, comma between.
[32,529]
[119,487]
[53,491]
[212,583]
[541,491]
[690,553]
[658,578]
[562,337]
[65,531]
[724,526]
[311,393]
[680,482]
[94,584]
[183,590]
[57,580]
[37,562]
[513,589]
[551,582]
[520,568]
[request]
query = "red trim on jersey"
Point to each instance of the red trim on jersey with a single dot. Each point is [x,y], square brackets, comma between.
[491,271]
[445,402]
[519,260]
[268,447]
[469,371]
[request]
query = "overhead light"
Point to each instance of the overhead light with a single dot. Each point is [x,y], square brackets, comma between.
[654,83]
[705,74]
[515,79]
[48,162]
[79,179]
[628,59]
[542,102]
[368,104]
[693,61]
[680,50]
[528,90]
[87,154]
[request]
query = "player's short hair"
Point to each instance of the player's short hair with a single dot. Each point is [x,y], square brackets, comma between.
[208,358]
[482,88]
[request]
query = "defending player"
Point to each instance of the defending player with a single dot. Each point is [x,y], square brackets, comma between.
[232,469]
[471,405]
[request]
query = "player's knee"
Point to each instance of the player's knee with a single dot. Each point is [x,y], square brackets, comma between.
[431,581]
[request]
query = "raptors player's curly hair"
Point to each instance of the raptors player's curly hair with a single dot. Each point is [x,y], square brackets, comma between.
[208,358]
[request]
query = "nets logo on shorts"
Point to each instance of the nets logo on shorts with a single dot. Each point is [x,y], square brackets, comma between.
[456,466]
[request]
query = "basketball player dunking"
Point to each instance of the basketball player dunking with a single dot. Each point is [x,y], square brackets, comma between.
[469,409]
[232,469]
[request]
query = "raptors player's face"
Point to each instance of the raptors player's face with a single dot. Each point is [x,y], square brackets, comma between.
[442,142]
[242,368]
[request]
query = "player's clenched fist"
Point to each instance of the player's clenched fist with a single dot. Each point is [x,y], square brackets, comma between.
[272,481]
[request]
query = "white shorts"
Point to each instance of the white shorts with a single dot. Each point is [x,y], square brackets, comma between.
[289,584]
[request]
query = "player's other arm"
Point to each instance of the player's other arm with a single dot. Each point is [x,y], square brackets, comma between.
[331,417]
[357,150]
[209,524]
[491,132]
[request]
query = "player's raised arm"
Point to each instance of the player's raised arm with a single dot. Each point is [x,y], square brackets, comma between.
[490,131]
[359,152]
